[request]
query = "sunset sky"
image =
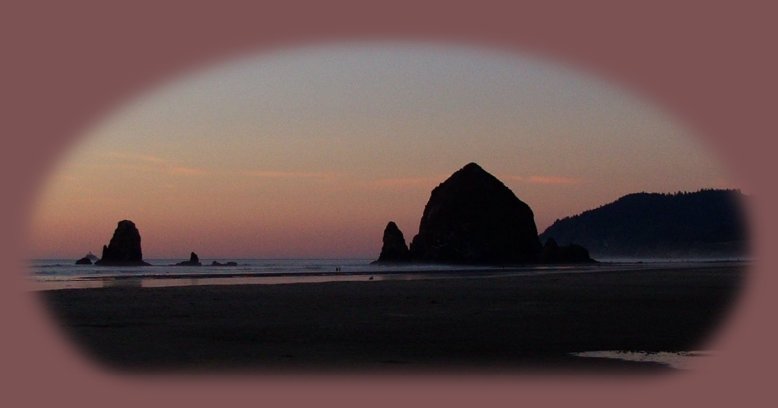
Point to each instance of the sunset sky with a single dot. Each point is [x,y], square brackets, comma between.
[310,152]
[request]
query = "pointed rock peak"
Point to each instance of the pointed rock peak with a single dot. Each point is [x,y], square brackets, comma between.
[391,227]
[472,167]
[474,174]
[394,249]
[194,260]
[472,170]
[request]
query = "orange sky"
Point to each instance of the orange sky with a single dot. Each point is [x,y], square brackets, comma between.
[309,153]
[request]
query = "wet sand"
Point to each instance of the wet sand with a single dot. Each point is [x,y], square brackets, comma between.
[458,324]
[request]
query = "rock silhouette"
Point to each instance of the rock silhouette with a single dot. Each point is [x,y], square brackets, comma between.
[124,248]
[706,223]
[394,249]
[554,254]
[88,259]
[84,261]
[194,260]
[473,218]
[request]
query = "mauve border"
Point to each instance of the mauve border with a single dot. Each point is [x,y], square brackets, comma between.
[66,64]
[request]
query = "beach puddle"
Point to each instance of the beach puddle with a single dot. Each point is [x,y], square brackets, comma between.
[681,360]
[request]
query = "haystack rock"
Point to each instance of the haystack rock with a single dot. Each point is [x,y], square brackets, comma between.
[194,260]
[473,218]
[124,248]
[394,250]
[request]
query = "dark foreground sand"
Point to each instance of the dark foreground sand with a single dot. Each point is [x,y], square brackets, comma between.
[514,324]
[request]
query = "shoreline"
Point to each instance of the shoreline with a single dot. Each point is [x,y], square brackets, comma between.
[49,282]
[506,323]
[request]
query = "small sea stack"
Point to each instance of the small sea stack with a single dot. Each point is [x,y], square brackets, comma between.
[124,248]
[555,254]
[88,259]
[84,261]
[394,249]
[194,260]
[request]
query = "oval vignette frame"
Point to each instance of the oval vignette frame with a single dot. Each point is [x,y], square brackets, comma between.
[65,57]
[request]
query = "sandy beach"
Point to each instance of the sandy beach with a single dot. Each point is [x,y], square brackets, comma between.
[467,324]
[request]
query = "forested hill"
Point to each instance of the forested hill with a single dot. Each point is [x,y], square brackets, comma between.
[707,223]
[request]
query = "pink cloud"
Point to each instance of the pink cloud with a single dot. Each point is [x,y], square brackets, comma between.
[145,162]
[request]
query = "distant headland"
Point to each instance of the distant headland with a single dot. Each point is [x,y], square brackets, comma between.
[705,223]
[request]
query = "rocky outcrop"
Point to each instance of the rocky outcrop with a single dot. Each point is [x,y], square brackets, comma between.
[124,248]
[84,261]
[394,249]
[554,254]
[473,218]
[194,260]
[88,259]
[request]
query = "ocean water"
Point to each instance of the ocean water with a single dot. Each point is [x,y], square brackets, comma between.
[678,360]
[52,269]
[64,273]
[66,268]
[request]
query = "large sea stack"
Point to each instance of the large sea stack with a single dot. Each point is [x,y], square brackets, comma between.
[124,248]
[395,249]
[473,218]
